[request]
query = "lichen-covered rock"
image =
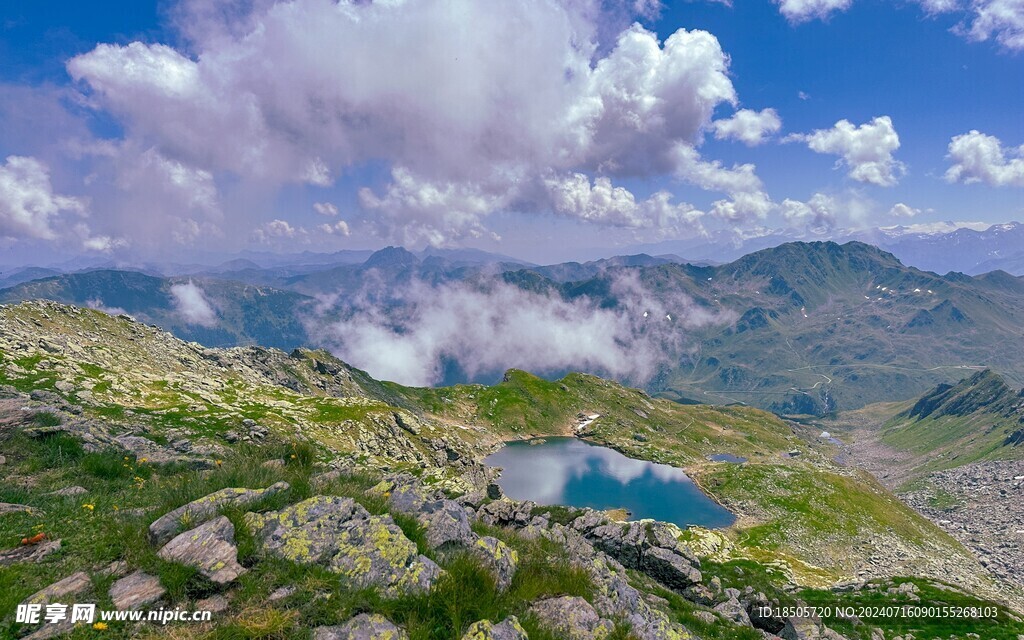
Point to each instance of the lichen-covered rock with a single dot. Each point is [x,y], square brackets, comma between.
[614,596]
[362,627]
[205,508]
[670,568]
[72,585]
[29,553]
[210,548]
[507,629]
[501,559]
[507,512]
[572,617]
[136,591]
[447,525]
[732,610]
[338,533]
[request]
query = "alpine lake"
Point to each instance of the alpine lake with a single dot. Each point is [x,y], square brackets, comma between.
[572,472]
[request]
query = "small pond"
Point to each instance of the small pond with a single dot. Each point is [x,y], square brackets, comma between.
[573,472]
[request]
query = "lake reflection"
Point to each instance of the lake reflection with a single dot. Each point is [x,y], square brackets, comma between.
[572,472]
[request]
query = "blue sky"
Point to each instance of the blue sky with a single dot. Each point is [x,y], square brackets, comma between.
[168,129]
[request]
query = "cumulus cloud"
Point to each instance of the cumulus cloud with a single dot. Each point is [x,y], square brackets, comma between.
[31,210]
[749,127]
[339,228]
[866,150]
[28,205]
[797,11]
[747,197]
[192,304]
[978,157]
[488,327]
[574,196]
[823,212]
[470,120]
[275,229]
[900,210]
[325,209]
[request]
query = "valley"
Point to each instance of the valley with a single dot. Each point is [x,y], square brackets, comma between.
[129,389]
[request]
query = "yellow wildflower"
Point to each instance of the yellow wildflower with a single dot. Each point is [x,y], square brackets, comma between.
[90,507]
[219,462]
[99,626]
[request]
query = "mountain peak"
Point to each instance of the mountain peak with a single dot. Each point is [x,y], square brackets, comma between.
[390,257]
[984,391]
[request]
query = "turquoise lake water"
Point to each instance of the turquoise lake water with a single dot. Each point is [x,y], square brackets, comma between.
[573,472]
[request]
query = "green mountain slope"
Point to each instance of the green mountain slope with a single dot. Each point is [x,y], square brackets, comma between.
[822,327]
[797,508]
[979,418]
[242,314]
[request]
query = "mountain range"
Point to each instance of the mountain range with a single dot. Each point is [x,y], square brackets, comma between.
[799,328]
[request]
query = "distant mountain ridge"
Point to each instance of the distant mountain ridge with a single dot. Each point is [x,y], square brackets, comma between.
[806,328]
[979,418]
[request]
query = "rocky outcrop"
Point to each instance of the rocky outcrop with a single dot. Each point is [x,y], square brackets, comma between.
[501,559]
[339,534]
[573,618]
[210,548]
[29,552]
[507,629]
[205,508]
[648,546]
[136,591]
[362,627]
[61,590]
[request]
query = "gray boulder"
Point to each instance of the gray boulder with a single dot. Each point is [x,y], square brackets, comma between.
[362,627]
[507,629]
[342,536]
[501,559]
[205,508]
[136,591]
[210,548]
[572,617]
[61,590]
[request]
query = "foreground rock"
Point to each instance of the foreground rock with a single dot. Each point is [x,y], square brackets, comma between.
[362,627]
[29,553]
[205,508]
[508,629]
[341,535]
[210,548]
[62,589]
[136,591]
[572,617]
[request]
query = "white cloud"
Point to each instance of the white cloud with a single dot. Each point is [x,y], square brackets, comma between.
[276,229]
[978,157]
[797,11]
[866,150]
[574,196]
[823,212]
[28,206]
[420,210]
[749,127]
[818,214]
[192,304]
[900,210]
[747,198]
[1002,20]
[457,101]
[339,228]
[491,326]
[325,209]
